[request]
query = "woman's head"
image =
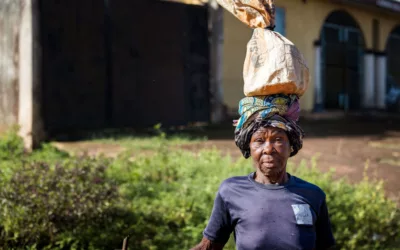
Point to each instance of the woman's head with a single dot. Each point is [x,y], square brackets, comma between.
[293,133]
[270,149]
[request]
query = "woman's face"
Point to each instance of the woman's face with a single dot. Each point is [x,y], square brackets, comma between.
[270,150]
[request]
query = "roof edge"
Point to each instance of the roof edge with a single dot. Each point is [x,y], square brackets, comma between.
[390,5]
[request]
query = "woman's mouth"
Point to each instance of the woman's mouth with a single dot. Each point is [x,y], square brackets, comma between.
[268,164]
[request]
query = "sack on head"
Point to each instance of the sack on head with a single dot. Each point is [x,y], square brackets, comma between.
[273,65]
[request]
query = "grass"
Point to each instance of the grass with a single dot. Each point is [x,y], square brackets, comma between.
[389,145]
[393,162]
[132,142]
[149,140]
[112,143]
[383,144]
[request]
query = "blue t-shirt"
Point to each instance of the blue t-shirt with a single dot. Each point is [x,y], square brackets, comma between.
[270,217]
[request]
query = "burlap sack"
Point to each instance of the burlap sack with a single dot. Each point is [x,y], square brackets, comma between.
[273,65]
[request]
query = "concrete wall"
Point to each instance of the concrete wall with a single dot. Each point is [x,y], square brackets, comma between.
[386,29]
[303,26]
[29,82]
[10,12]
[236,36]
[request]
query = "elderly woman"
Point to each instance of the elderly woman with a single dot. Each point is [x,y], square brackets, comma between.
[269,208]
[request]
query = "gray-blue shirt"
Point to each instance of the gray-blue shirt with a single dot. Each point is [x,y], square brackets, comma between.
[270,217]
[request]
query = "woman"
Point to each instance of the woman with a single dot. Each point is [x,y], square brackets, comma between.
[269,209]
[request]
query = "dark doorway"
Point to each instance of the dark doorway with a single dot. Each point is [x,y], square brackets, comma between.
[342,62]
[393,55]
[73,69]
[160,63]
[123,64]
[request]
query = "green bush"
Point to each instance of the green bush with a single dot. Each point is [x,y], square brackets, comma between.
[11,145]
[362,215]
[162,199]
[54,206]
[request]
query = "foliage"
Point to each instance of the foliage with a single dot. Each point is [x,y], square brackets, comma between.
[362,216]
[153,139]
[163,200]
[11,145]
[55,205]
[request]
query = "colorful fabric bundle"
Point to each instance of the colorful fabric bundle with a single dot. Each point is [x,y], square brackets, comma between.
[267,106]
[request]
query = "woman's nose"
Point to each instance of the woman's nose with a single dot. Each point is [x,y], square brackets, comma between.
[268,148]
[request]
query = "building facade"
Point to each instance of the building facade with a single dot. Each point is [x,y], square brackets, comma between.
[70,65]
[351,47]
[84,65]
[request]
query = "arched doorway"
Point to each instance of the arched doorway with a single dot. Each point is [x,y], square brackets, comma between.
[393,73]
[342,62]
[393,55]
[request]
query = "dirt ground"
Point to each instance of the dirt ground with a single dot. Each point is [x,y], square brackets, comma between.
[345,143]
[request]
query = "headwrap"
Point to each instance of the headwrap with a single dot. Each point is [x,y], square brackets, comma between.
[280,111]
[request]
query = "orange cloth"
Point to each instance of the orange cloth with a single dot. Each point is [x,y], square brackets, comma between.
[254,13]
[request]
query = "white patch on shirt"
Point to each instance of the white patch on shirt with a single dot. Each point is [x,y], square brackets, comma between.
[303,214]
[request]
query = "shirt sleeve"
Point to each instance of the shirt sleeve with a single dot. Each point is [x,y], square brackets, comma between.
[219,226]
[325,238]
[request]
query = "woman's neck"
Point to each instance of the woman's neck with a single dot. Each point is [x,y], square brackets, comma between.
[279,179]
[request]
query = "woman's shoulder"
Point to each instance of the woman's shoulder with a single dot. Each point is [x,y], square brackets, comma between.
[307,186]
[235,180]
[234,183]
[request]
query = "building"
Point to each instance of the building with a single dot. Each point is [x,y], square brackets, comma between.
[70,65]
[83,65]
[351,46]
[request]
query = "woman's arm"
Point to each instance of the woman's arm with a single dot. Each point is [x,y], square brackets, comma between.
[219,226]
[207,244]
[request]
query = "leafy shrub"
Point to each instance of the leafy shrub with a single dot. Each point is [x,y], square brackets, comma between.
[362,215]
[11,145]
[55,206]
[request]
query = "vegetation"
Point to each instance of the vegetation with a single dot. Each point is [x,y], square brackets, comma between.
[50,200]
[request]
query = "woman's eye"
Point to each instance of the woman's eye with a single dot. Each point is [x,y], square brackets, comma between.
[258,140]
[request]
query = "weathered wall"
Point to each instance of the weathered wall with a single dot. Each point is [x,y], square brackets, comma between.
[303,26]
[10,12]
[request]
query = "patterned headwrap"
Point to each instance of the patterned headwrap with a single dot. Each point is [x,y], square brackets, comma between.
[280,111]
